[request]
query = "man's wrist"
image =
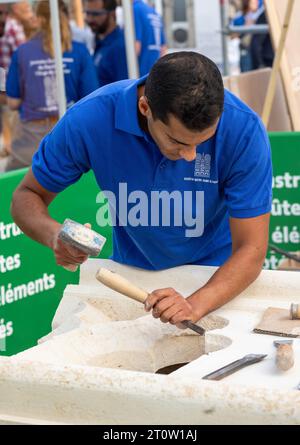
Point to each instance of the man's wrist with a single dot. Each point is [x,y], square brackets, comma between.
[199,302]
[54,230]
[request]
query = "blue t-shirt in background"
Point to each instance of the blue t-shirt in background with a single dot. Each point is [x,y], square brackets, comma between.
[232,175]
[110,58]
[149,31]
[32,78]
[240,18]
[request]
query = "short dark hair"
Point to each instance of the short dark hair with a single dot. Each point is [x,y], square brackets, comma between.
[109,5]
[187,85]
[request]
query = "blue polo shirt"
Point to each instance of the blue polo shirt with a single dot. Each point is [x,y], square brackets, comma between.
[149,31]
[110,58]
[32,78]
[231,176]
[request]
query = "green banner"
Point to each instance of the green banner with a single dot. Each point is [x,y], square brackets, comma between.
[284,227]
[31,284]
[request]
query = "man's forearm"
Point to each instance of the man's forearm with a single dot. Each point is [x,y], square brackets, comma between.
[241,269]
[30,213]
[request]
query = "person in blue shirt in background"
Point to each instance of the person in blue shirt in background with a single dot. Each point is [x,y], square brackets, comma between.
[262,51]
[149,34]
[31,84]
[110,52]
[186,168]
[250,11]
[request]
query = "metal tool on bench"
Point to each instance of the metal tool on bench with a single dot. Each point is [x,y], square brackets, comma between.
[284,354]
[295,311]
[83,238]
[123,286]
[227,370]
[290,256]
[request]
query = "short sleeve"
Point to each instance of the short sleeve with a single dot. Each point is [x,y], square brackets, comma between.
[248,187]
[88,76]
[62,156]
[13,78]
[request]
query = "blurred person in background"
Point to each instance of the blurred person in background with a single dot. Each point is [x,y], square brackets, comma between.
[14,34]
[3,17]
[261,47]
[234,8]
[20,24]
[31,83]
[80,34]
[23,13]
[250,10]
[110,51]
[150,36]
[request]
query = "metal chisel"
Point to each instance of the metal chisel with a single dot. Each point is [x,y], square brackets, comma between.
[120,284]
[249,359]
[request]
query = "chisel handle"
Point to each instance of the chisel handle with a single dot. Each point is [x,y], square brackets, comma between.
[120,284]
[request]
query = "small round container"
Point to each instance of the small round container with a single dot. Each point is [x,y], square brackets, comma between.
[295,311]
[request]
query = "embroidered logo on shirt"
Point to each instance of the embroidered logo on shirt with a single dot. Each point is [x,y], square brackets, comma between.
[202,166]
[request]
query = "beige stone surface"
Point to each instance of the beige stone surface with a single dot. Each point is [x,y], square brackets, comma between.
[98,364]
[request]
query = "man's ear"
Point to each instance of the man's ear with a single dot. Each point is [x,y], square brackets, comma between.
[144,106]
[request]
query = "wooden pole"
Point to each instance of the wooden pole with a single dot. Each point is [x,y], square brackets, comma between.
[129,27]
[78,13]
[276,65]
[60,79]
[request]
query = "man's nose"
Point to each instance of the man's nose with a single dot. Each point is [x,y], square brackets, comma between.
[188,154]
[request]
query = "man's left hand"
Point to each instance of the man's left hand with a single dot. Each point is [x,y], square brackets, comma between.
[170,306]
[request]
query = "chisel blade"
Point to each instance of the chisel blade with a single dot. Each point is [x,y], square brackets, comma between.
[194,327]
[249,359]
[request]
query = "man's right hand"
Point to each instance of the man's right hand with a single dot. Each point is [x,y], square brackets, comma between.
[30,212]
[68,256]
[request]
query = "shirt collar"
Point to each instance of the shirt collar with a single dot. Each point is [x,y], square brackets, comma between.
[126,117]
